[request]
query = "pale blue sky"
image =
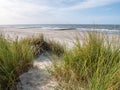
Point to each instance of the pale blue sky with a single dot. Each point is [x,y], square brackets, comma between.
[59,12]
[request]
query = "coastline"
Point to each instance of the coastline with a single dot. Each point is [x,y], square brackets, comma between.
[64,36]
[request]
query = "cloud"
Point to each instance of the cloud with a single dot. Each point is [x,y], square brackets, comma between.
[23,10]
[12,11]
[49,5]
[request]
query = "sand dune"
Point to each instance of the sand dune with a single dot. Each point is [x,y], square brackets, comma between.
[37,78]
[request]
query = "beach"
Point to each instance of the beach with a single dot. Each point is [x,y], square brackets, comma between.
[59,45]
[60,34]
[38,78]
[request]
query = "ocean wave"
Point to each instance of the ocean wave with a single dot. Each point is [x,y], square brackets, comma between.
[99,30]
[57,28]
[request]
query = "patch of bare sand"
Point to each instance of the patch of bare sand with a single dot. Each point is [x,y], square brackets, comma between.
[37,78]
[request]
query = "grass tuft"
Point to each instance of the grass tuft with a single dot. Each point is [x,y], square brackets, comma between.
[16,57]
[41,45]
[91,65]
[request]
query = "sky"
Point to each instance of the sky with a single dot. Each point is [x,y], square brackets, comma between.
[59,12]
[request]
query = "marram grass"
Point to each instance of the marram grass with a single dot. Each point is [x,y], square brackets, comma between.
[41,45]
[16,57]
[91,65]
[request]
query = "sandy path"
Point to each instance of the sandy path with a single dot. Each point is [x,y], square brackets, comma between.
[38,77]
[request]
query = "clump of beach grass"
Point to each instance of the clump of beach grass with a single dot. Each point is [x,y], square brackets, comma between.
[93,64]
[16,57]
[56,47]
[42,45]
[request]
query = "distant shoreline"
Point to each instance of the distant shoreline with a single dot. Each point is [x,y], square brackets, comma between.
[110,29]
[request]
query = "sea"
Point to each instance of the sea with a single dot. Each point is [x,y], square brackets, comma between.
[112,29]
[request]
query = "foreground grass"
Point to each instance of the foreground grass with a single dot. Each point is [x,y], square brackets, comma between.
[91,65]
[16,57]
